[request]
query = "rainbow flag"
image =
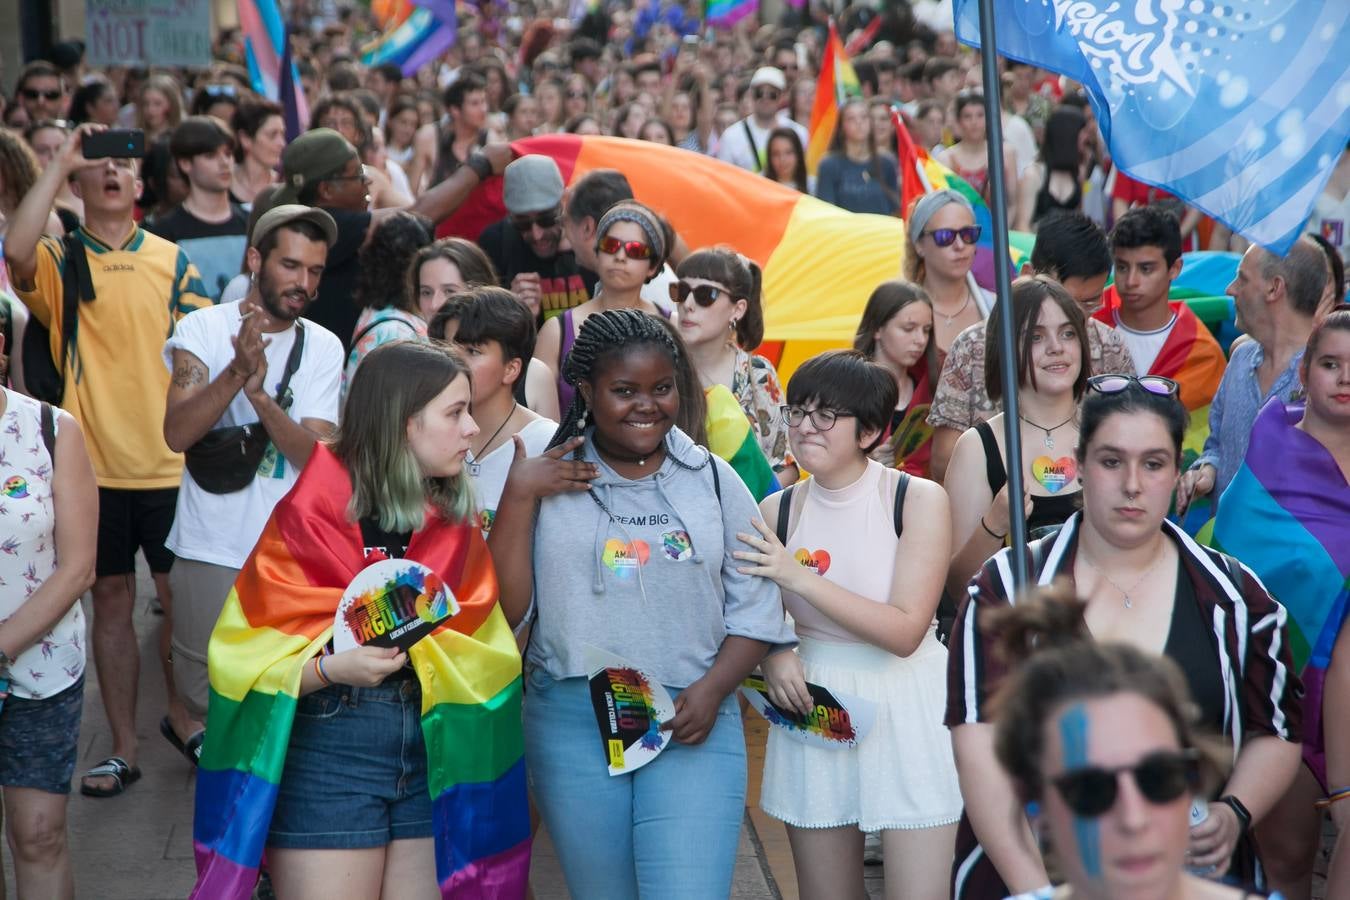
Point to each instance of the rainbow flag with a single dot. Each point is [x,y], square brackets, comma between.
[420,38]
[836,84]
[725,13]
[730,437]
[1286,514]
[280,614]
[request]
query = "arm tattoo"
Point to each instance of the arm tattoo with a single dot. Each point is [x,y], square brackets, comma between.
[187,374]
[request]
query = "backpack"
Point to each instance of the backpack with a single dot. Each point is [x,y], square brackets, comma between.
[44,377]
[785,508]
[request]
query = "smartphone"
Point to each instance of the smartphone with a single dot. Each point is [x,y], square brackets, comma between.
[120,143]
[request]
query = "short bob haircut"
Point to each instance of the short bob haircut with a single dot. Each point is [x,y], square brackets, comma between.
[1028,294]
[392,386]
[885,304]
[1132,401]
[197,135]
[489,313]
[741,277]
[847,382]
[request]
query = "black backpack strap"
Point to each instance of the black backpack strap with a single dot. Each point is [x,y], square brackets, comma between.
[754,148]
[292,363]
[899,515]
[784,512]
[717,478]
[48,419]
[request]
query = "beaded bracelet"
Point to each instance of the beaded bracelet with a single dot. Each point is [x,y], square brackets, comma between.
[318,670]
[1334,797]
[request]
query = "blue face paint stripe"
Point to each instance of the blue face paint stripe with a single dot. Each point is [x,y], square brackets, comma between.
[1073,736]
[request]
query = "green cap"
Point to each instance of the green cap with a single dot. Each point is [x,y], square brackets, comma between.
[309,159]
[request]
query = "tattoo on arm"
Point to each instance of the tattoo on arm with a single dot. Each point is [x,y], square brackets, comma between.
[187,374]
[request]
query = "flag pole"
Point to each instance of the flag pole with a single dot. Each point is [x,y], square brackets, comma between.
[998,208]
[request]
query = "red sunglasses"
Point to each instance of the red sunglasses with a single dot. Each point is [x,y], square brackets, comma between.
[631,249]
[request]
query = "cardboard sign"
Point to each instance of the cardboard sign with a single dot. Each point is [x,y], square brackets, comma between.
[392,603]
[630,706]
[148,32]
[836,721]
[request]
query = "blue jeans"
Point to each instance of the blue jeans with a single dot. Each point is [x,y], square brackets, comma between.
[669,830]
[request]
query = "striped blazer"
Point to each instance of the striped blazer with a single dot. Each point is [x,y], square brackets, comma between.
[1262,693]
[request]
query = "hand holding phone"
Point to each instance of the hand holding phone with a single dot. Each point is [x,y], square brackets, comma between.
[119,143]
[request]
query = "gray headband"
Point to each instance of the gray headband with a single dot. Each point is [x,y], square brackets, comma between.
[929,204]
[650,227]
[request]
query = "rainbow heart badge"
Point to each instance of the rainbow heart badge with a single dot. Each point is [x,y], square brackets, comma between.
[630,705]
[624,559]
[818,562]
[391,603]
[1053,474]
[835,722]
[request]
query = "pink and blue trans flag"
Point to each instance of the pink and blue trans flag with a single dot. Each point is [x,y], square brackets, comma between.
[1239,107]
[270,67]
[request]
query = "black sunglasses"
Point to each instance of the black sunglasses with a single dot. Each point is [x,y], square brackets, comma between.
[945,237]
[767,93]
[524,224]
[1114,384]
[1161,777]
[576,95]
[704,294]
[34,93]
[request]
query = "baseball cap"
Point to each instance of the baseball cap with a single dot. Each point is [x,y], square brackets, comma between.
[311,158]
[770,76]
[531,184]
[287,213]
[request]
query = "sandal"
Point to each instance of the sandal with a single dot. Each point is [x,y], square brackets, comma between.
[116,768]
[191,748]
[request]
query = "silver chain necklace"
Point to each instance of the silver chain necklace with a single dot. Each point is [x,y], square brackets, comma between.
[1129,603]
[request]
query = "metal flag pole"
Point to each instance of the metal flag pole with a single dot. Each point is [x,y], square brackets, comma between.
[998,203]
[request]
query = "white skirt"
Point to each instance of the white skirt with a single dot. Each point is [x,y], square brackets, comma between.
[900,775]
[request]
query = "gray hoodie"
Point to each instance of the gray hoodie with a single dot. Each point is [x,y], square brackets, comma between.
[652,580]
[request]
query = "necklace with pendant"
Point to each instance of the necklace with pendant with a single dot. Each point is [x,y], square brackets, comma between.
[1049,432]
[474,466]
[1129,602]
[952,318]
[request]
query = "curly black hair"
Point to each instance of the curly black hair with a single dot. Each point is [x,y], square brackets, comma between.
[382,276]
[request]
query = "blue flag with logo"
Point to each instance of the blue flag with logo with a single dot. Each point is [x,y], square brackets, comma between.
[1239,107]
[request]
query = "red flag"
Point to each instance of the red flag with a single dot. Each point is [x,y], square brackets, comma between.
[911,159]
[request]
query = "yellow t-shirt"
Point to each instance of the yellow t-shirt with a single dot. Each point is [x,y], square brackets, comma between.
[116,382]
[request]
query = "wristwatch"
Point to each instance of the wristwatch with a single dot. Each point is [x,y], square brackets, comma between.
[1244,816]
[481,165]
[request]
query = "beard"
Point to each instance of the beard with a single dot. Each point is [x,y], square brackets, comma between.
[273,298]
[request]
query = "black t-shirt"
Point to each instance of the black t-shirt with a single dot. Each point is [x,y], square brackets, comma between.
[215,248]
[393,544]
[335,307]
[563,283]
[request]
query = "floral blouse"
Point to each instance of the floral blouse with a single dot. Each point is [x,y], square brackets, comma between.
[755,384]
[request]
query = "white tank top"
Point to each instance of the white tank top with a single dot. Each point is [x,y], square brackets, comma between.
[847,536]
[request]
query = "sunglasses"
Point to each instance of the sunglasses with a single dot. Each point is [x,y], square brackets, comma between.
[49,96]
[945,237]
[1114,384]
[1161,777]
[525,224]
[631,249]
[704,294]
[576,95]
[767,93]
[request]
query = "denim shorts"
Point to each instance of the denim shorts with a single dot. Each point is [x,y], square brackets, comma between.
[39,740]
[356,770]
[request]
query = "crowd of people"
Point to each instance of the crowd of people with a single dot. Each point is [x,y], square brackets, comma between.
[261,362]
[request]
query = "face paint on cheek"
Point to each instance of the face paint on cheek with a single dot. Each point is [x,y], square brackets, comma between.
[1073,737]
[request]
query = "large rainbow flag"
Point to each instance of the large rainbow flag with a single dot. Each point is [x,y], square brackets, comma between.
[1286,514]
[418,38]
[725,13]
[280,614]
[836,84]
[730,437]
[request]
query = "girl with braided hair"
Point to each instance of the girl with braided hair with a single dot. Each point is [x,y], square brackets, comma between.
[631,243]
[622,533]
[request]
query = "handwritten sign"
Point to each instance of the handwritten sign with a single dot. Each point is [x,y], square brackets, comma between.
[150,32]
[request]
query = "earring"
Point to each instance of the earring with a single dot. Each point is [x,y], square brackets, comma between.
[732,324]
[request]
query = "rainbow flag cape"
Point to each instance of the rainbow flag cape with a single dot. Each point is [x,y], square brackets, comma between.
[730,437]
[725,13]
[280,614]
[1286,514]
[836,84]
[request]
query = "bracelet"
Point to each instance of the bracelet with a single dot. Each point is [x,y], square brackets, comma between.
[1243,816]
[318,670]
[481,165]
[1334,797]
[990,532]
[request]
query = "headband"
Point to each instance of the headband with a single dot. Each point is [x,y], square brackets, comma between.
[641,218]
[929,204]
